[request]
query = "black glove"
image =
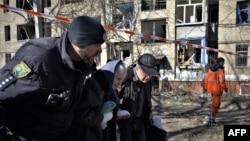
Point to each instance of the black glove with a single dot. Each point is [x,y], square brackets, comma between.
[61,99]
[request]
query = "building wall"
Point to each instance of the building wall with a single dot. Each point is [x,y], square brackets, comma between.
[93,9]
[231,34]
[12,19]
[160,48]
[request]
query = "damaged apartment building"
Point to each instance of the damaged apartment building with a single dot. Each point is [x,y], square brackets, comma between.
[17,28]
[222,25]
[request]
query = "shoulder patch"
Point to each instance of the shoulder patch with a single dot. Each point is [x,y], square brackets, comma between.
[21,70]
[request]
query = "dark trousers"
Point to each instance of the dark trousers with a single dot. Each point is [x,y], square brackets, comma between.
[132,130]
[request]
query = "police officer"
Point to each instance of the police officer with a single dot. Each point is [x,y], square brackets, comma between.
[40,86]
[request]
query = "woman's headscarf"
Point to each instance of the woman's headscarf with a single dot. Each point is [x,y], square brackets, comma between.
[109,70]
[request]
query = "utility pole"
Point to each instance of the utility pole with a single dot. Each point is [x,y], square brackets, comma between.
[38,22]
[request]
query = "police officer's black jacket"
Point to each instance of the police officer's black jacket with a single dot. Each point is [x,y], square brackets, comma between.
[40,88]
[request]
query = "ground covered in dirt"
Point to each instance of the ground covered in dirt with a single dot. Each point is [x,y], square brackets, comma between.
[184,115]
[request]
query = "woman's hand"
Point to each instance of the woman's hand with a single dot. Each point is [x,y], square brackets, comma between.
[123,114]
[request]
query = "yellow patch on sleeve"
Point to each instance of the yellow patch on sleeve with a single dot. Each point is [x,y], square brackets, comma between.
[21,70]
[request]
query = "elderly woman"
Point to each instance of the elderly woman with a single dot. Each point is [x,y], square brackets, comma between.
[109,133]
[98,88]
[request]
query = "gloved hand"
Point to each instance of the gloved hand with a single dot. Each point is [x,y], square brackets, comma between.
[123,114]
[108,106]
[106,117]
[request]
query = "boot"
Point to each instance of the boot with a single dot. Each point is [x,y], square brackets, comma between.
[212,122]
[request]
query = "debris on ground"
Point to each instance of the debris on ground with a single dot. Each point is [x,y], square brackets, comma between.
[184,115]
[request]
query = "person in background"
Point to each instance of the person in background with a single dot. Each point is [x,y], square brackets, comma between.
[40,86]
[136,98]
[98,89]
[214,84]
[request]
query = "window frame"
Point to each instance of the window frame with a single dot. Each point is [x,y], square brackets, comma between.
[7,33]
[6,2]
[147,5]
[28,32]
[195,6]
[153,32]
[243,49]
[243,7]
[7,57]
[190,52]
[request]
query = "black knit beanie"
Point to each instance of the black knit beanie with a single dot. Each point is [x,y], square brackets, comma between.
[85,30]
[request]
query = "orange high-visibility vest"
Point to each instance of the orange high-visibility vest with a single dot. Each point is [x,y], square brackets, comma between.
[214,82]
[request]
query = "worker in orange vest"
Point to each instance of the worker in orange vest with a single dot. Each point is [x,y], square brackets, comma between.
[214,84]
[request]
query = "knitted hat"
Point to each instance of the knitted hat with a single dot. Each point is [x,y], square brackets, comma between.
[85,30]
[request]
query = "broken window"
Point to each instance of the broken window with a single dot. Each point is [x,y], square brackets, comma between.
[120,50]
[24,4]
[153,4]
[117,20]
[125,54]
[189,55]
[155,28]
[127,18]
[25,32]
[189,11]
[7,32]
[243,12]
[242,61]
[6,2]
[7,57]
